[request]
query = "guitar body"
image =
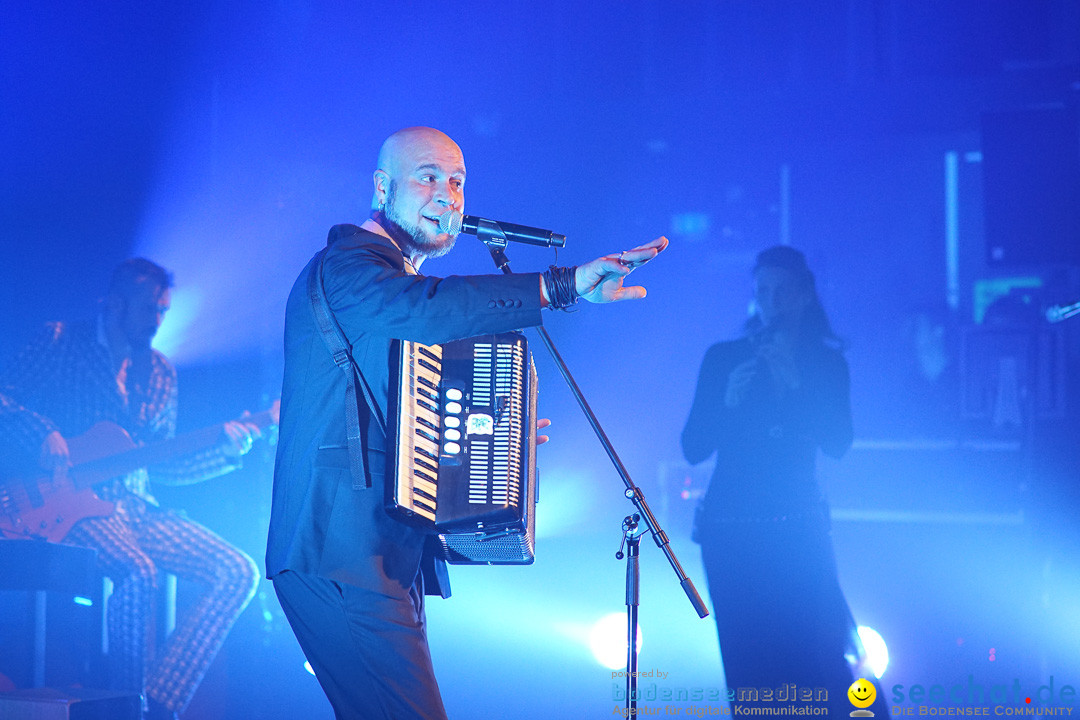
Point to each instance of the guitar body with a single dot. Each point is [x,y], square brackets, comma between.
[48,507]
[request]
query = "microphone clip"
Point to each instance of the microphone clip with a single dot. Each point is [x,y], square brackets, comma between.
[491,234]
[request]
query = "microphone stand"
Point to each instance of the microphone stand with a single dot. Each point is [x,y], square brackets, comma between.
[633,493]
[632,531]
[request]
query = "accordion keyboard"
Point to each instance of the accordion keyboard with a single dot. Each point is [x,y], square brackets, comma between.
[464,462]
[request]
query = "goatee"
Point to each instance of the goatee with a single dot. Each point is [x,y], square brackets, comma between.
[411,237]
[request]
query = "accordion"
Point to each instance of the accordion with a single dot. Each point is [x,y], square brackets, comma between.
[463,459]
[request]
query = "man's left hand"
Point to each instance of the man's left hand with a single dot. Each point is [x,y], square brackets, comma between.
[601,281]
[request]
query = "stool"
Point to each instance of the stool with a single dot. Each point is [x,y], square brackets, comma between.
[38,567]
[69,704]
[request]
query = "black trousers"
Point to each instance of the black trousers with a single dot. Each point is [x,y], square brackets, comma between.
[369,650]
[780,614]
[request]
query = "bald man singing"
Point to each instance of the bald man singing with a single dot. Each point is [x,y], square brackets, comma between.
[351,578]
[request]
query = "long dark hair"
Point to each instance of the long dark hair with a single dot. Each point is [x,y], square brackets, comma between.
[815,323]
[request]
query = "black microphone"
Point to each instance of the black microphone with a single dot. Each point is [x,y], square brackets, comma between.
[498,233]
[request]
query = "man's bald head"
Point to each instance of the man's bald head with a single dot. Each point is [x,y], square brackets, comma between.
[420,177]
[399,150]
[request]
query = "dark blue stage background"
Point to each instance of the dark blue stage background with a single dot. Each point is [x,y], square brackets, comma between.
[223,139]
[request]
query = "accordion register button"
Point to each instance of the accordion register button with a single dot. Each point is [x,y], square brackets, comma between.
[453,408]
[453,394]
[451,448]
[452,421]
[451,434]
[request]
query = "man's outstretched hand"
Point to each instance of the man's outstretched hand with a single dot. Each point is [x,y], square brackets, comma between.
[601,281]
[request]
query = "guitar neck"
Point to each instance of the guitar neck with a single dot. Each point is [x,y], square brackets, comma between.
[95,471]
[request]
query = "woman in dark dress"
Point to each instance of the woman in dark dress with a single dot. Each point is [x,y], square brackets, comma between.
[765,403]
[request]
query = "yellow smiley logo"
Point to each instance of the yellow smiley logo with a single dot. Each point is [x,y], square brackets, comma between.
[861,693]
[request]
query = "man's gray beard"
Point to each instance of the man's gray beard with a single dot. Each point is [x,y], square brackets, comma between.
[409,235]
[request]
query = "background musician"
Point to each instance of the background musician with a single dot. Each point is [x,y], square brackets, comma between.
[78,374]
[350,578]
[765,404]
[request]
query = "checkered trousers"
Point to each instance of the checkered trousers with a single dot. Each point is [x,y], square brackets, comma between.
[136,548]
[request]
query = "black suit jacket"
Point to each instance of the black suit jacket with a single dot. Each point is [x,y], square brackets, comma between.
[320,524]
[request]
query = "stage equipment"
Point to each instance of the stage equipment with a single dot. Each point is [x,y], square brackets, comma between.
[1057,313]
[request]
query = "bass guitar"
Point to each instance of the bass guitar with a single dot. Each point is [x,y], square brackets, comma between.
[48,506]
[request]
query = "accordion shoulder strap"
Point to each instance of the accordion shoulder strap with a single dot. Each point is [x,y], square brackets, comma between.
[341,352]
